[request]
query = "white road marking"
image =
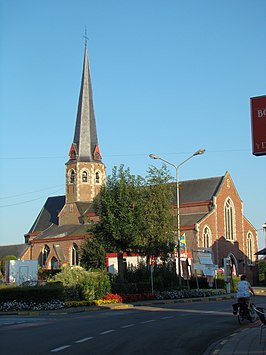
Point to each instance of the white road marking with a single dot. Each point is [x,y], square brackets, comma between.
[60,348]
[107,331]
[148,321]
[128,325]
[83,340]
[169,317]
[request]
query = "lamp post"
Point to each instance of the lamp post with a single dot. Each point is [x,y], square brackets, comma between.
[154,156]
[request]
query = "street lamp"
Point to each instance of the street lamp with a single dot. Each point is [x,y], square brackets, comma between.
[154,156]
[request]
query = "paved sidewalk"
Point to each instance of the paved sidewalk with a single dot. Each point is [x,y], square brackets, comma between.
[245,341]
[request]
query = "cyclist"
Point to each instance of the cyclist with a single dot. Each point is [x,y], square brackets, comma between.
[243,290]
[243,294]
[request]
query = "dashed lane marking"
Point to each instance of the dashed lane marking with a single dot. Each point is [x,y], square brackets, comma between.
[60,348]
[107,331]
[128,325]
[83,340]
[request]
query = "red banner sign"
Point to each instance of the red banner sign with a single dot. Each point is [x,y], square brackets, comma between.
[258,124]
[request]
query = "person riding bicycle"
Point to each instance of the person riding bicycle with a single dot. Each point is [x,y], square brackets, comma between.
[243,293]
[243,308]
[243,290]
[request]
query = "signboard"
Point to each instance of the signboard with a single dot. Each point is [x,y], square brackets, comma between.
[258,124]
[205,258]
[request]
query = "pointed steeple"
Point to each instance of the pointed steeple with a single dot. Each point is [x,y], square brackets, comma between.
[85,144]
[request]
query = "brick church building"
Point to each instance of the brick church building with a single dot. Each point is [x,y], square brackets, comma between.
[211,210]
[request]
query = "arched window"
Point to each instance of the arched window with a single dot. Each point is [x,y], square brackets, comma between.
[72,176]
[97,177]
[75,254]
[229,220]
[54,263]
[84,176]
[250,248]
[206,237]
[45,253]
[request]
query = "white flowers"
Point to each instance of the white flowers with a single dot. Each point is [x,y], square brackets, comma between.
[31,306]
[194,293]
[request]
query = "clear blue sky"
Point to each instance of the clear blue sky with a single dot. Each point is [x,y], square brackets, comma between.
[169,77]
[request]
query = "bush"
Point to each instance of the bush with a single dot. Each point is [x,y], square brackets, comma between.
[138,297]
[80,284]
[36,294]
[131,287]
[262,272]
[138,279]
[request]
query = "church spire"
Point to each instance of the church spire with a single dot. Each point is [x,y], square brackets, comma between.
[85,144]
[85,172]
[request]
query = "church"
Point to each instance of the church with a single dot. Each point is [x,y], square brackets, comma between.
[62,224]
[211,210]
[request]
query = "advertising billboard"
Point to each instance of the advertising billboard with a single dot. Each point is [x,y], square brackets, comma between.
[258,124]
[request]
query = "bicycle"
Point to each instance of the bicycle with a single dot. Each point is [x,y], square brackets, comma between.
[245,311]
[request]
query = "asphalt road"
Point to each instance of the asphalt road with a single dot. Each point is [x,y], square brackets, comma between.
[179,328]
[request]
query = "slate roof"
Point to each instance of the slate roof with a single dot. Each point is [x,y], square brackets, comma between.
[190,219]
[48,214]
[261,252]
[67,230]
[17,250]
[199,190]
[84,207]
[85,136]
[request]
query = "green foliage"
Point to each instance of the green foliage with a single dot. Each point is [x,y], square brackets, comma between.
[138,279]
[46,274]
[157,221]
[262,272]
[80,284]
[3,262]
[165,277]
[119,212]
[32,294]
[221,283]
[131,288]
[92,254]
[135,214]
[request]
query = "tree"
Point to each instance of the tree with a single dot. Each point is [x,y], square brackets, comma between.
[135,214]
[118,208]
[92,254]
[157,231]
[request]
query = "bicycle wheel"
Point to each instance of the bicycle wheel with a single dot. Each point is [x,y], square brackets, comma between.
[241,317]
[252,314]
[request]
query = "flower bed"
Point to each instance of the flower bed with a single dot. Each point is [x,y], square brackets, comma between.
[195,293]
[30,306]
[109,299]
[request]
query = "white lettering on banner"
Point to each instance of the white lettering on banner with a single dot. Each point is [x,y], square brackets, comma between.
[263,145]
[262,113]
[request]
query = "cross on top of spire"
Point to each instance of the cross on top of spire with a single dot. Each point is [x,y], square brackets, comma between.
[86,37]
